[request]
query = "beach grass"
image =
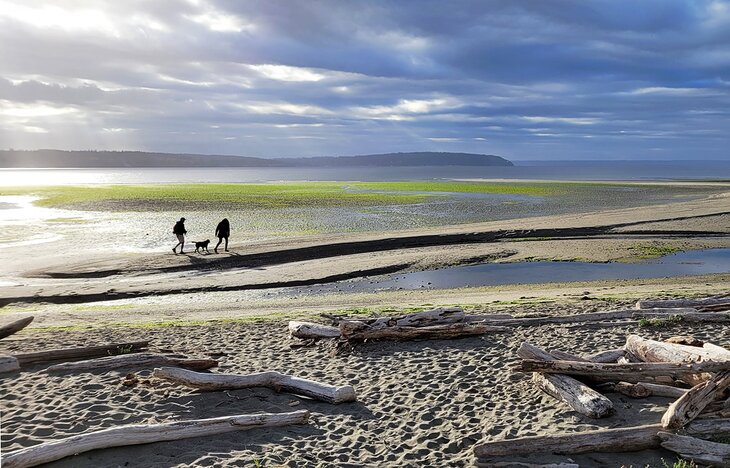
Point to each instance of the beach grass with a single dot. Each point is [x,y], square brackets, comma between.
[265,195]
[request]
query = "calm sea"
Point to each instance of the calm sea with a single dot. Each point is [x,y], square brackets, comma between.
[604,170]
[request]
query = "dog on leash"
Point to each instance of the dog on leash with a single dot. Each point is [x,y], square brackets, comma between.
[200,246]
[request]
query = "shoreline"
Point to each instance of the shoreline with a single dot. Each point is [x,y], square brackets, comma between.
[611,235]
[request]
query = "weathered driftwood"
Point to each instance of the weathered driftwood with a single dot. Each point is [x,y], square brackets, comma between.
[308,330]
[588,317]
[439,316]
[581,398]
[575,394]
[563,356]
[717,409]
[689,405]
[612,355]
[132,360]
[529,351]
[144,434]
[689,317]
[647,389]
[14,327]
[487,317]
[631,372]
[712,427]
[718,351]
[651,304]
[627,439]
[271,379]
[8,364]
[659,351]
[697,450]
[685,340]
[26,359]
[518,464]
[721,307]
[359,332]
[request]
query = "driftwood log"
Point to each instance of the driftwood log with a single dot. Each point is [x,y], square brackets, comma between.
[132,360]
[581,398]
[358,331]
[721,307]
[26,359]
[309,330]
[691,317]
[689,405]
[518,464]
[697,450]
[588,317]
[14,327]
[612,355]
[575,394]
[270,379]
[651,304]
[647,389]
[630,372]
[659,351]
[439,316]
[144,434]
[627,439]
[8,364]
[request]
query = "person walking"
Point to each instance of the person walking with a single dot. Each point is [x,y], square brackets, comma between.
[179,231]
[222,231]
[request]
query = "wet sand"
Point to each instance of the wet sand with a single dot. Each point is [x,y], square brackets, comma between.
[600,236]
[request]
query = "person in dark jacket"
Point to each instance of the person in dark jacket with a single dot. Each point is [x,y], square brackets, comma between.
[222,231]
[179,231]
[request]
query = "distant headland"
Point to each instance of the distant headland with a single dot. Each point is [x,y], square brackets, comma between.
[48,158]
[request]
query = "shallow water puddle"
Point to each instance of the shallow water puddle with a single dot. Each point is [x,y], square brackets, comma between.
[696,262]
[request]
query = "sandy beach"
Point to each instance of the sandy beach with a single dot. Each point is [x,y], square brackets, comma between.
[420,403]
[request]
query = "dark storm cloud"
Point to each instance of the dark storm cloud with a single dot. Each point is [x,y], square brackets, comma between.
[530,79]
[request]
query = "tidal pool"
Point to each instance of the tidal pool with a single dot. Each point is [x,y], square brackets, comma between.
[696,262]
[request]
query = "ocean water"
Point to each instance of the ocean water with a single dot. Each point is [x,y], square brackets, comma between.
[533,170]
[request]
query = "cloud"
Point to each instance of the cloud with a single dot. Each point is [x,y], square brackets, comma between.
[600,79]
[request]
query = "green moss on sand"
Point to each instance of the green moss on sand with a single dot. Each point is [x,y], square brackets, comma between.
[265,196]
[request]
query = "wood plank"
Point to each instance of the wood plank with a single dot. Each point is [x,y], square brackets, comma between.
[145,434]
[271,379]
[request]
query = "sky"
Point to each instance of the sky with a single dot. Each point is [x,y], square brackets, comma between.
[531,79]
